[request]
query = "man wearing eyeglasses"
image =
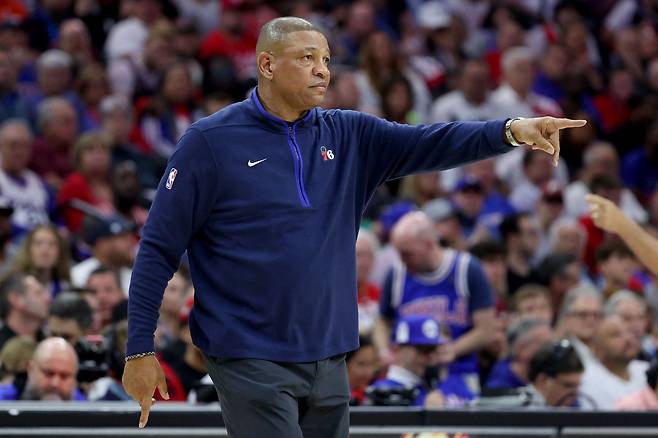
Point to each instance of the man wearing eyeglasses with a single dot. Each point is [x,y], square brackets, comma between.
[51,374]
[555,375]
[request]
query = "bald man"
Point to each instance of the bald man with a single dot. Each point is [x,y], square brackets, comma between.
[616,374]
[51,374]
[266,196]
[447,285]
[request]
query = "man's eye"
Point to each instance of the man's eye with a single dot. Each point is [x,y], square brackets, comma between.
[308,57]
[327,60]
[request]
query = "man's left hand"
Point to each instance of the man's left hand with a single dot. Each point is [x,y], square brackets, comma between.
[543,133]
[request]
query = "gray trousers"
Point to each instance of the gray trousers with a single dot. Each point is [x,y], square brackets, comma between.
[260,398]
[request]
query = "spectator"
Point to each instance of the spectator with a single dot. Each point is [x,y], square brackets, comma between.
[70,318]
[74,39]
[116,125]
[23,307]
[20,187]
[106,286]
[183,357]
[368,293]
[58,124]
[139,77]
[468,199]
[524,337]
[167,115]
[12,103]
[645,399]
[175,295]
[361,368]
[92,86]
[606,215]
[617,373]
[537,174]
[492,257]
[579,320]
[416,344]
[470,100]
[446,223]
[126,39]
[600,158]
[533,301]
[130,200]
[45,255]
[559,273]
[89,183]
[359,26]
[550,208]
[440,283]
[639,168]
[567,236]
[520,233]
[14,358]
[633,310]
[555,375]
[112,243]
[51,374]
[616,264]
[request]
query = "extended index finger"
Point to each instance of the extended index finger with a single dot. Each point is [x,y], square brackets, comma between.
[563,123]
[146,408]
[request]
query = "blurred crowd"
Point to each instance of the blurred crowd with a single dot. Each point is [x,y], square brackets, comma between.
[486,285]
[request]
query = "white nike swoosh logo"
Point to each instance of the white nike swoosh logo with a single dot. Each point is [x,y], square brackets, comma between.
[253,163]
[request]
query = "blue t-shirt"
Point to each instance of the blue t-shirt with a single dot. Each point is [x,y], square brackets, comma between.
[503,377]
[450,295]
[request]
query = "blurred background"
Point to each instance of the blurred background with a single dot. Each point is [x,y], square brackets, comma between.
[483,286]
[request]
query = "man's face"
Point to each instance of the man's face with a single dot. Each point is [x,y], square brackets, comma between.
[174,295]
[618,268]
[536,306]
[584,318]
[52,377]
[470,201]
[365,259]
[15,148]
[634,315]
[63,127]
[495,270]
[300,69]
[414,251]
[35,299]
[7,71]
[415,358]
[615,343]
[560,390]
[44,249]
[68,329]
[529,234]
[569,241]
[474,82]
[108,292]
[533,341]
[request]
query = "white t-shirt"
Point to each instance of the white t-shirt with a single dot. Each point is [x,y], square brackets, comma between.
[606,388]
[29,198]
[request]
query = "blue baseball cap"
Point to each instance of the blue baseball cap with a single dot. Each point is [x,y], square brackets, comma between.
[417,330]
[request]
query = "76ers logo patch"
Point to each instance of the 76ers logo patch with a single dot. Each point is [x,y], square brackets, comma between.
[170,179]
[326,154]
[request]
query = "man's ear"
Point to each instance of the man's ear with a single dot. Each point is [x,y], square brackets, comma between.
[266,65]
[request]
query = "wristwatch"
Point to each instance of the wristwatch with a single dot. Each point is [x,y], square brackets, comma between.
[508,132]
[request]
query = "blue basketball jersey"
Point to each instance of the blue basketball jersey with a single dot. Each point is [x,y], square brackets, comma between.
[450,295]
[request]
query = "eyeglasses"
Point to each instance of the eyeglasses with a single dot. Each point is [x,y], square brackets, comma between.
[586,314]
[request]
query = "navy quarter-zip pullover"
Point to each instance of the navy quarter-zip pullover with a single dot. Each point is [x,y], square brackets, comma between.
[269,212]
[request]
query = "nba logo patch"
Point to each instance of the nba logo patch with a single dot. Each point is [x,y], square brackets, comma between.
[170,179]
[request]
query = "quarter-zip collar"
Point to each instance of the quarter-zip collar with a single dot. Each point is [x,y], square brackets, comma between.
[259,111]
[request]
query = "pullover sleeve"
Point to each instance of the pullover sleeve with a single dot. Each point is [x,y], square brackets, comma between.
[391,150]
[184,199]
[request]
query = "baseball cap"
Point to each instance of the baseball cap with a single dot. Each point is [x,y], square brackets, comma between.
[439,210]
[468,182]
[417,330]
[97,228]
[394,213]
